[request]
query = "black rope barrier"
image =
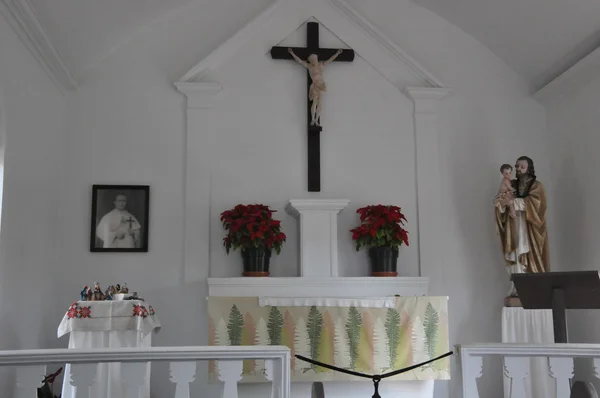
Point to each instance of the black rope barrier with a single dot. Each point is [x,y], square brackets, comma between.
[376,378]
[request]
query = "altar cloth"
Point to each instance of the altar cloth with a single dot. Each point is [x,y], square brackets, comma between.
[530,327]
[105,316]
[369,340]
[109,324]
[366,302]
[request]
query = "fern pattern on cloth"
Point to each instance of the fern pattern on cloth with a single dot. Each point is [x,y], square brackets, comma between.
[367,340]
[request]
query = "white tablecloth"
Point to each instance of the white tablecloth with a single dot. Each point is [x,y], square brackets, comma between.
[530,326]
[109,324]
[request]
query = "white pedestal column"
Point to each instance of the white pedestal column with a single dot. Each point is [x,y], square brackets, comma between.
[199,160]
[318,235]
[429,175]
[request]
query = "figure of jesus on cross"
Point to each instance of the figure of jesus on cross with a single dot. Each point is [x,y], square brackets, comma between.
[318,86]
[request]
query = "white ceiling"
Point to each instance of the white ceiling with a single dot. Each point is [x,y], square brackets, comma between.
[537,38]
[84,31]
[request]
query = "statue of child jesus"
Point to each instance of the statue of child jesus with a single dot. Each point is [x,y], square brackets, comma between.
[505,196]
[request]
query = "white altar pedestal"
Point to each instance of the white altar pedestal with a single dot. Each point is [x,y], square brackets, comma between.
[109,324]
[535,327]
[318,234]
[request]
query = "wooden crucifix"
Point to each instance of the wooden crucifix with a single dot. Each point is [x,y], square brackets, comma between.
[310,57]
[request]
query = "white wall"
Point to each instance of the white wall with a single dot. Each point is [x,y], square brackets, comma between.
[573,121]
[126,125]
[32,141]
[33,110]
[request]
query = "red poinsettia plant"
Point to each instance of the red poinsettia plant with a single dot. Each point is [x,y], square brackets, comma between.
[252,226]
[381,226]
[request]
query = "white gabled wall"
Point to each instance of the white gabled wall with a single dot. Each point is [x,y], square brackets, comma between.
[126,124]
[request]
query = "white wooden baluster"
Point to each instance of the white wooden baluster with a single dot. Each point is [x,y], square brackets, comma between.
[273,373]
[133,376]
[29,378]
[182,374]
[597,367]
[517,369]
[471,370]
[230,372]
[83,376]
[562,370]
[269,369]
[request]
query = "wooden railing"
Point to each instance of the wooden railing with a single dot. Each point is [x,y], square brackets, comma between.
[559,359]
[31,367]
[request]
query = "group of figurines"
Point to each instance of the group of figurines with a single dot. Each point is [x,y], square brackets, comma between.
[96,294]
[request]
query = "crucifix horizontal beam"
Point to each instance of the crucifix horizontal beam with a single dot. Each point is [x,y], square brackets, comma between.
[304,52]
[312,47]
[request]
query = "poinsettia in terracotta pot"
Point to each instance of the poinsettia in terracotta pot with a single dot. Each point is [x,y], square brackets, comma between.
[252,229]
[381,230]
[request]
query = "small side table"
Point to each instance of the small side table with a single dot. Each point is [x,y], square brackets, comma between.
[108,324]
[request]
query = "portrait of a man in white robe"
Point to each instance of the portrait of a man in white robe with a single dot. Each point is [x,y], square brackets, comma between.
[120,215]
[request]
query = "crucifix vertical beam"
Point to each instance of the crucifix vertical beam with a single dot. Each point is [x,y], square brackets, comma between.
[314,131]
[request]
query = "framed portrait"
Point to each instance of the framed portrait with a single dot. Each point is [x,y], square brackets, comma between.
[120,218]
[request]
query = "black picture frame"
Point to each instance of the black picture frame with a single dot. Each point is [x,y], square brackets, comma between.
[136,213]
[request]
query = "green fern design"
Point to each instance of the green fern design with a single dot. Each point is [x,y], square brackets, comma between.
[430,324]
[274,326]
[392,329]
[235,325]
[353,331]
[314,325]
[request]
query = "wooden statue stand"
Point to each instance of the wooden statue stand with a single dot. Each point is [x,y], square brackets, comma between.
[560,291]
[512,301]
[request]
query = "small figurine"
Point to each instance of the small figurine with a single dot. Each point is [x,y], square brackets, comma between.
[506,193]
[84,293]
[124,288]
[109,293]
[118,288]
[98,296]
[90,294]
